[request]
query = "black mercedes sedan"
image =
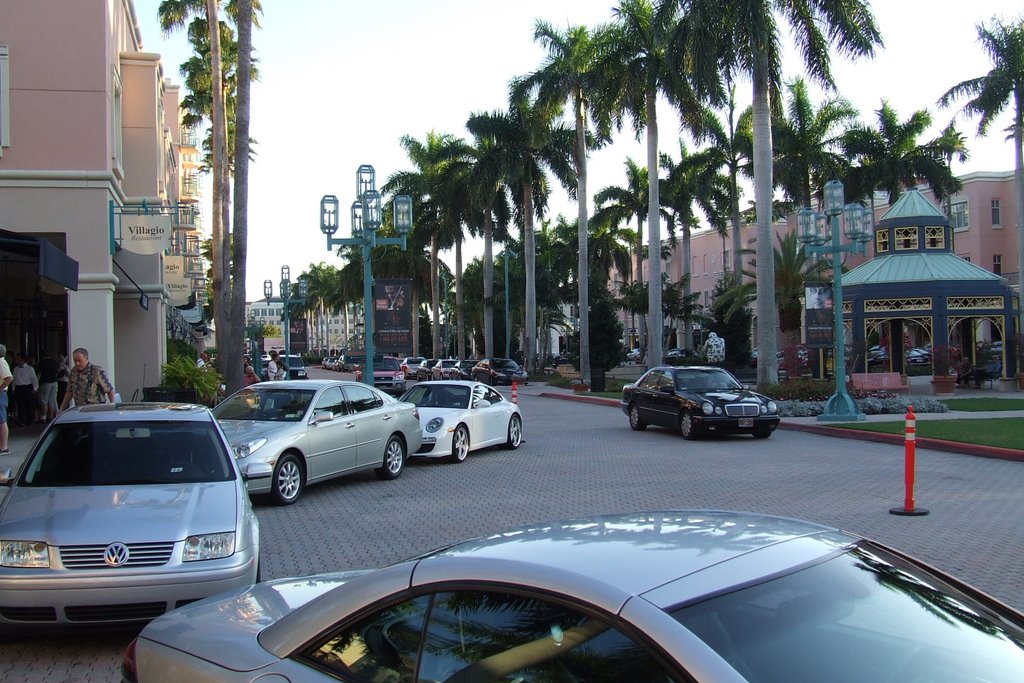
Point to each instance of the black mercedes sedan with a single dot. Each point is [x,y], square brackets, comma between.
[698,400]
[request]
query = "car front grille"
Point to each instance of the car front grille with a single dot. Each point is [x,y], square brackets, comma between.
[743,410]
[139,555]
[141,611]
[30,614]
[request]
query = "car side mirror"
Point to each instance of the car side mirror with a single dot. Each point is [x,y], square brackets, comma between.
[666,390]
[257,470]
[482,403]
[321,416]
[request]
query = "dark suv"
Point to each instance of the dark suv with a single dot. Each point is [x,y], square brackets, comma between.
[499,371]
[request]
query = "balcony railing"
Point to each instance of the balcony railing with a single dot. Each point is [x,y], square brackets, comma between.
[189,186]
[189,138]
[187,217]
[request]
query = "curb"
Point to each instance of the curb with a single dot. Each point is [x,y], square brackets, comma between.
[835,432]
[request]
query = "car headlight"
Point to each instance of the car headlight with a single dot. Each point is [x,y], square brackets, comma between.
[773,407]
[435,424]
[399,376]
[244,450]
[707,408]
[32,554]
[208,547]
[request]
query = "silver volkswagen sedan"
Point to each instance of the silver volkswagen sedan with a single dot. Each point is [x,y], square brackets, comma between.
[653,597]
[312,430]
[121,513]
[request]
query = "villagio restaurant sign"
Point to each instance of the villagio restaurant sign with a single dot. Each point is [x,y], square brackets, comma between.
[178,283]
[145,234]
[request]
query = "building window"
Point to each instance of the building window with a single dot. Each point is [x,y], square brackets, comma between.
[996,217]
[997,264]
[5,100]
[935,237]
[906,238]
[881,241]
[116,122]
[957,214]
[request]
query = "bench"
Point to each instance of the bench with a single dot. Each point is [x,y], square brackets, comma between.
[878,381]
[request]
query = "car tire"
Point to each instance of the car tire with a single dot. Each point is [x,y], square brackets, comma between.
[289,480]
[762,433]
[515,433]
[460,444]
[394,459]
[635,423]
[687,427]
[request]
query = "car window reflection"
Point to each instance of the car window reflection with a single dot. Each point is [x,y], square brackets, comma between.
[265,404]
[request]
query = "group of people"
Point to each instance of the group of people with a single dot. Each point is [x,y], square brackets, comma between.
[41,391]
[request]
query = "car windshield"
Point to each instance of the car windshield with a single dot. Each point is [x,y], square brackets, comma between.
[128,453]
[706,379]
[448,363]
[386,364]
[505,364]
[267,404]
[431,395]
[863,615]
[294,362]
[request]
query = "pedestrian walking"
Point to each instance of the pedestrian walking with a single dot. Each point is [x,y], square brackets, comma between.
[63,377]
[88,382]
[47,387]
[272,366]
[250,377]
[5,381]
[26,383]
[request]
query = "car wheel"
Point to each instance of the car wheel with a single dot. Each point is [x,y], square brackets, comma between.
[289,480]
[515,432]
[687,426]
[460,444]
[762,433]
[635,423]
[394,459]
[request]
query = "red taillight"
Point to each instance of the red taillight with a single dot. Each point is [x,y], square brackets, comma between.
[128,670]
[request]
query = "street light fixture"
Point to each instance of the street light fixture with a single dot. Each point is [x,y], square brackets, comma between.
[820,234]
[367,218]
[285,288]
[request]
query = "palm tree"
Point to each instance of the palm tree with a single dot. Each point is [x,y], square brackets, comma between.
[990,94]
[529,142]
[745,37]
[736,140]
[807,149]
[890,157]
[617,204]
[643,61]
[570,73]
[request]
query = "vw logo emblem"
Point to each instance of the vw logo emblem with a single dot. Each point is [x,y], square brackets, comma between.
[116,554]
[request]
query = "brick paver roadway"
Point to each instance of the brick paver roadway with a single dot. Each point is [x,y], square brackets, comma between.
[581,459]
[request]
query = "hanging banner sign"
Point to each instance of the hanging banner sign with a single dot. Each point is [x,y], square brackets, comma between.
[178,283]
[392,318]
[149,234]
[819,312]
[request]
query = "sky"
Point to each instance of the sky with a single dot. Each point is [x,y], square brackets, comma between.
[341,82]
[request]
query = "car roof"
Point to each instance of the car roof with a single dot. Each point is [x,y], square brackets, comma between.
[130,412]
[311,384]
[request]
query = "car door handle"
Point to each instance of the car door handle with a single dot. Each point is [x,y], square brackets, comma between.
[350,425]
[388,417]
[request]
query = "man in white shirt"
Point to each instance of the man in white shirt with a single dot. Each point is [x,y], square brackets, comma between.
[272,368]
[5,381]
[26,382]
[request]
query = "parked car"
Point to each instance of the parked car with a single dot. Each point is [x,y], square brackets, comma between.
[633,354]
[328,363]
[313,430]
[918,357]
[387,375]
[423,370]
[459,417]
[410,363]
[698,400]
[122,512]
[464,369]
[296,367]
[699,596]
[442,368]
[494,371]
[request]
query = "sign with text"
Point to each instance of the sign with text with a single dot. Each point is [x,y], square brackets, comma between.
[145,234]
[819,315]
[177,281]
[392,316]
[297,339]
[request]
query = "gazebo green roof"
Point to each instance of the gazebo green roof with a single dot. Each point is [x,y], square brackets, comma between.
[917,267]
[913,208]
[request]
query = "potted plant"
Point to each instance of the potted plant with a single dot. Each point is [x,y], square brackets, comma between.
[579,386]
[944,359]
[1018,354]
[183,373]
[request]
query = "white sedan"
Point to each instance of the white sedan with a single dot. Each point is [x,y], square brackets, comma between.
[458,417]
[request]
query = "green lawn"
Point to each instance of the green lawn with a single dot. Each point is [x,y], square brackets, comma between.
[983,404]
[1006,432]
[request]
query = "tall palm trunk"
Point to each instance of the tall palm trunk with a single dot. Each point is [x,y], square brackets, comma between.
[767,366]
[460,321]
[221,260]
[415,319]
[435,304]
[638,278]
[488,284]
[1018,182]
[530,333]
[654,312]
[687,341]
[583,264]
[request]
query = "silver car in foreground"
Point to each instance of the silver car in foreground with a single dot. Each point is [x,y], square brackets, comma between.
[312,430]
[646,598]
[121,513]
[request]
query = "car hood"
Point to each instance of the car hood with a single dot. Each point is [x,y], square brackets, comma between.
[223,629]
[86,515]
[733,396]
[449,414]
[244,431]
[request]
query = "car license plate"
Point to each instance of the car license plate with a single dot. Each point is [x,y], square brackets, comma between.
[746,422]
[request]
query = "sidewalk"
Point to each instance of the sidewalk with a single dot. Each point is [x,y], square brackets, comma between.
[918,387]
[20,442]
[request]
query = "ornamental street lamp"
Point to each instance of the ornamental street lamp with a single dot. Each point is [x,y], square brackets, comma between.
[366,217]
[820,234]
[285,288]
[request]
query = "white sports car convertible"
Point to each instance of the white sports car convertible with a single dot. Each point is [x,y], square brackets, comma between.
[458,417]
